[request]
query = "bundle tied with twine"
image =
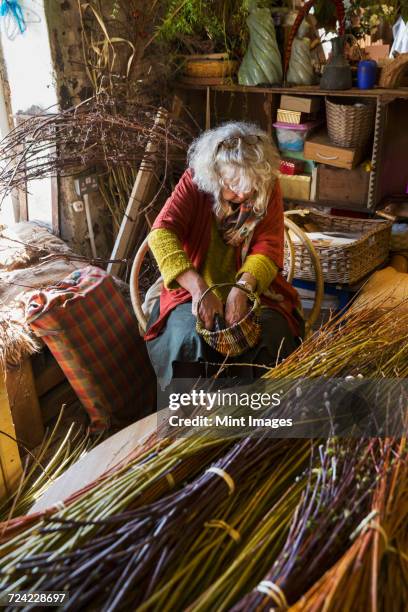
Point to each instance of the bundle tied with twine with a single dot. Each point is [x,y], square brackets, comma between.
[211,523]
[16,341]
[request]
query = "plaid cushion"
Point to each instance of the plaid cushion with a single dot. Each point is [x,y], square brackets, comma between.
[87,325]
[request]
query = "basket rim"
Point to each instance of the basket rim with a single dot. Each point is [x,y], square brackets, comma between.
[252,296]
[366,102]
[384,222]
[210,333]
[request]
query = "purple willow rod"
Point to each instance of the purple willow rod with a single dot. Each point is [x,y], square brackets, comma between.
[208,490]
[303,558]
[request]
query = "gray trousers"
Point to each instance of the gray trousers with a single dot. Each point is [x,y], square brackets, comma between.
[179,352]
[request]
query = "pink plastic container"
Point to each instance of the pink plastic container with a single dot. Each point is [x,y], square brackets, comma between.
[292,136]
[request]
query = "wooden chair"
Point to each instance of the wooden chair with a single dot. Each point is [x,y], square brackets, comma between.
[290,226]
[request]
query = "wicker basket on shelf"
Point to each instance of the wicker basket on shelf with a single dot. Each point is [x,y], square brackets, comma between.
[347,263]
[211,65]
[350,124]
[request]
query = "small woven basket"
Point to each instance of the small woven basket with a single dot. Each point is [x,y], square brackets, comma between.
[238,338]
[345,264]
[213,65]
[349,125]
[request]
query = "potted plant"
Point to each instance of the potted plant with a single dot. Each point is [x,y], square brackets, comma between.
[210,36]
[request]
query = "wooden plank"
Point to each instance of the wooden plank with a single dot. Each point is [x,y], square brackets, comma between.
[373,195]
[267,106]
[24,405]
[55,216]
[47,373]
[348,186]
[391,146]
[10,462]
[401,92]
[22,192]
[145,178]
[51,402]
[23,200]
[100,459]
[7,124]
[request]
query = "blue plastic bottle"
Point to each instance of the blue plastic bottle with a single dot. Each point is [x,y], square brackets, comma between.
[366,74]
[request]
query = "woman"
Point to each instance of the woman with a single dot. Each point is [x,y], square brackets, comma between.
[223,223]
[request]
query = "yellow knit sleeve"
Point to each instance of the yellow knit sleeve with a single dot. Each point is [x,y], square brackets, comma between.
[262,268]
[170,256]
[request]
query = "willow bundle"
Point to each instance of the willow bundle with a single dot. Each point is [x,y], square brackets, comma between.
[13,526]
[38,476]
[167,531]
[372,573]
[136,551]
[93,134]
[324,522]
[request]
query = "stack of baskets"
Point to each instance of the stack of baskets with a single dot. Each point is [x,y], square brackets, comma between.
[345,264]
[350,124]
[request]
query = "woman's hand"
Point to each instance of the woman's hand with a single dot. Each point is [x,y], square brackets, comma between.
[209,307]
[236,307]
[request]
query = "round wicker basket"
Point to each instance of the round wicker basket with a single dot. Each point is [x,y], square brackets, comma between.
[209,66]
[238,338]
[349,125]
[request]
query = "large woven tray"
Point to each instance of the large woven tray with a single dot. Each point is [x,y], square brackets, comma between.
[344,264]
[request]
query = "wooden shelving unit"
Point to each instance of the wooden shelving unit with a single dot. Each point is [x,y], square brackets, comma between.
[212,104]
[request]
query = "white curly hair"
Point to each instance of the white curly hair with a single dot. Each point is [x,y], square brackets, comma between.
[242,168]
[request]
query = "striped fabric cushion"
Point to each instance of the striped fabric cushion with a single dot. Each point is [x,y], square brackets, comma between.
[87,325]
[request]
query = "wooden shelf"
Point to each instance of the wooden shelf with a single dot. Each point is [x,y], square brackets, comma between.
[215,104]
[401,92]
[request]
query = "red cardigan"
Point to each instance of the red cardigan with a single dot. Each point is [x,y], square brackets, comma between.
[188,213]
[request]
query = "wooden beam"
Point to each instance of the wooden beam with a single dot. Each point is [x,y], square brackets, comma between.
[46,371]
[10,462]
[267,105]
[22,192]
[145,179]
[306,90]
[24,405]
[55,215]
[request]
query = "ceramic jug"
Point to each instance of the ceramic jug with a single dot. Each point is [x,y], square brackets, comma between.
[337,73]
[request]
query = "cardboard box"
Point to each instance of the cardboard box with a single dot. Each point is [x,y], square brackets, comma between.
[378,52]
[300,104]
[319,148]
[295,187]
[339,185]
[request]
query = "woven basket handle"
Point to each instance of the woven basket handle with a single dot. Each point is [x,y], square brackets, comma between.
[251,295]
[303,12]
